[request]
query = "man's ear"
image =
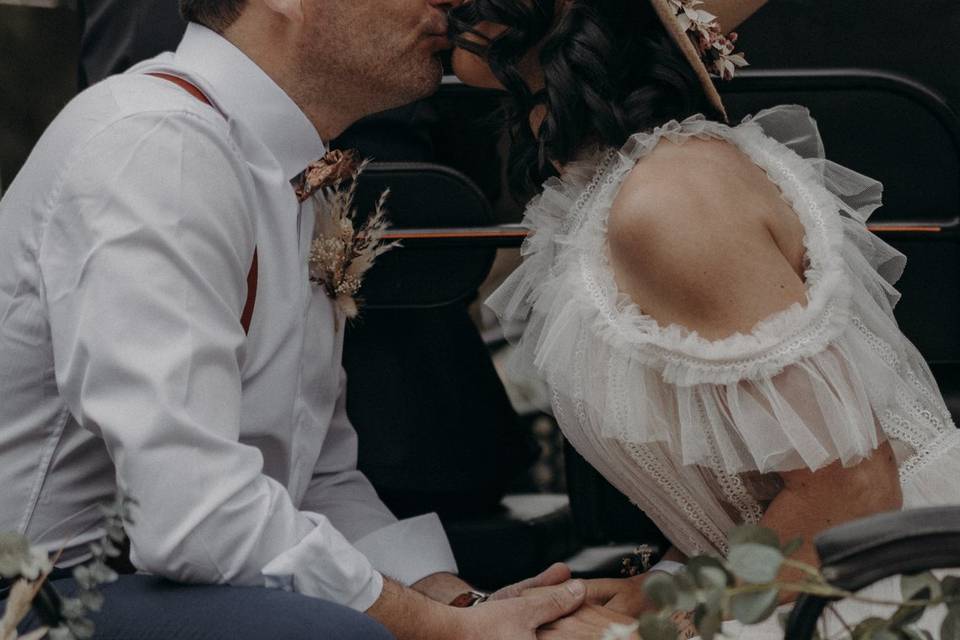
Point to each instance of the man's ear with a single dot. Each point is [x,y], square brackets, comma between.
[292,10]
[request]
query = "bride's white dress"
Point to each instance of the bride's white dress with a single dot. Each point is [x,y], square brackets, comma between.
[693,431]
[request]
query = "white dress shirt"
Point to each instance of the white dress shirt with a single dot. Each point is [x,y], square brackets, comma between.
[125,244]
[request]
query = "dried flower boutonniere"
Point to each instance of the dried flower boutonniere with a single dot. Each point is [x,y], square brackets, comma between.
[341,253]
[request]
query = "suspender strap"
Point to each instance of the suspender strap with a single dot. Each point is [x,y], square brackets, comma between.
[247,315]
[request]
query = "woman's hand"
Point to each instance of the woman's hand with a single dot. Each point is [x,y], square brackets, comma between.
[621,595]
[588,623]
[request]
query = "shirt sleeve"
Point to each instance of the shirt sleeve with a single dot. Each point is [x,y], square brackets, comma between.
[406,550]
[144,266]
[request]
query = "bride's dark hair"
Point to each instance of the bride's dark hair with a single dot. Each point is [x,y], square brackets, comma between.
[610,70]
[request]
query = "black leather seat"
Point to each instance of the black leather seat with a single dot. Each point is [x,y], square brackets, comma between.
[861,553]
[437,431]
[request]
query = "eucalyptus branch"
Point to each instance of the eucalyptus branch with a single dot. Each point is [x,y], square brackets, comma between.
[29,568]
[745,586]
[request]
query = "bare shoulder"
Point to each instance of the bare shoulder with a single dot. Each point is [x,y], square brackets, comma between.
[693,238]
[699,182]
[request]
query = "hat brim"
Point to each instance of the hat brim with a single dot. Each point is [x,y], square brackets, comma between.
[730,14]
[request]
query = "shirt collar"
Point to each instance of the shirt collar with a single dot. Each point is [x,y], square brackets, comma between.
[244,91]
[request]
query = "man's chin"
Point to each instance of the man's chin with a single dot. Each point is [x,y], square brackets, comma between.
[428,82]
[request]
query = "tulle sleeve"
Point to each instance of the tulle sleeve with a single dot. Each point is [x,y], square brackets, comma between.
[827,380]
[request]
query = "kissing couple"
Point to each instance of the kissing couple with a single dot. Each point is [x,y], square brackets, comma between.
[704,301]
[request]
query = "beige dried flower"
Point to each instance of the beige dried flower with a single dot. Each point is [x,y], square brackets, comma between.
[341,254]
[18,605]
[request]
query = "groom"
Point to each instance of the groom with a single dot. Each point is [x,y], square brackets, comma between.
[159,334]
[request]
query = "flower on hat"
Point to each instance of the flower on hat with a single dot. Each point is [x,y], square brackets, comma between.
[717,49]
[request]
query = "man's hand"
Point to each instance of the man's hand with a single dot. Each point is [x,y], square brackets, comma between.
[556,574]
[444,587]
[519,617]
[410,615]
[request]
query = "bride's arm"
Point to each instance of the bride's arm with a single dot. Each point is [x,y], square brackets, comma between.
[814,501]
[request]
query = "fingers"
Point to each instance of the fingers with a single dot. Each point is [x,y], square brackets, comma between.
[557,573]
[601,591]
[547,604]
[589,623]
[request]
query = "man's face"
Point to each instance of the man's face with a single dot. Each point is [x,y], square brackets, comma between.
[385,51]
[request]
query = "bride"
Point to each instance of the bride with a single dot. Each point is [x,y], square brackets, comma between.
[705,303]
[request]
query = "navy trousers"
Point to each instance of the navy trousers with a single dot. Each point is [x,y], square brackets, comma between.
[149,608]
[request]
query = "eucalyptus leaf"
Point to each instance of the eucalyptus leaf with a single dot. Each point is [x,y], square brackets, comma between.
[81,628]
[951,586]
[713,578]
[72,608]
[696,564]
[916,634]
[868,628]
[662,590]
[756,563]
[885,634]
[708,623]
[654,627]
[751,608]
[686,591]
[951,591]
[950,629]
[907,615]
[84,578]
[754,534]
[92,600]
[60,633]
[912,585]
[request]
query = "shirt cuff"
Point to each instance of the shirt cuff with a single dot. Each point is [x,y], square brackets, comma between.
[409,550]
[325,565]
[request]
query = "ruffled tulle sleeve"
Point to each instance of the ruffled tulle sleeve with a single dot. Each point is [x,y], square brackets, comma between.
[827,380]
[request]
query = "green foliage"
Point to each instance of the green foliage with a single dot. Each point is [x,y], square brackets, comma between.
[745,586]
[32,565]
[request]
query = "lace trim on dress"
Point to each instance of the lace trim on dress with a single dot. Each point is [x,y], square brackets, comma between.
[775,342]
[929,454]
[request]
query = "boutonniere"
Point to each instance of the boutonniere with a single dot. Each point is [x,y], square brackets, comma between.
[341,253]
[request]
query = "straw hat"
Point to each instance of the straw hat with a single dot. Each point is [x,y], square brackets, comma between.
[700,28]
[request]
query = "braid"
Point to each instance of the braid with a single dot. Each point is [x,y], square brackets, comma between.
[610,70]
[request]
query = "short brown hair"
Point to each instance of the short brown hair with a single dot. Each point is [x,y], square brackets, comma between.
[215,14]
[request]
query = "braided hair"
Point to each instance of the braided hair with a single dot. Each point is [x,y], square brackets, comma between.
[610,70]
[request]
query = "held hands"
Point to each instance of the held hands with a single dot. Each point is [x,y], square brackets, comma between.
[518,617]
[608,601]
[551,607]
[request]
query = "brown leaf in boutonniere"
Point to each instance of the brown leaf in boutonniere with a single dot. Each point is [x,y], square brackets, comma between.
[331,170]
[341,254]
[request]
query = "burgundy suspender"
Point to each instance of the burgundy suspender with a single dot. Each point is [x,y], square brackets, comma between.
[247,314]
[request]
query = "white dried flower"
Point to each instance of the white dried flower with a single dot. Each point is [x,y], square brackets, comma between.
[620,631]
[19,559]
